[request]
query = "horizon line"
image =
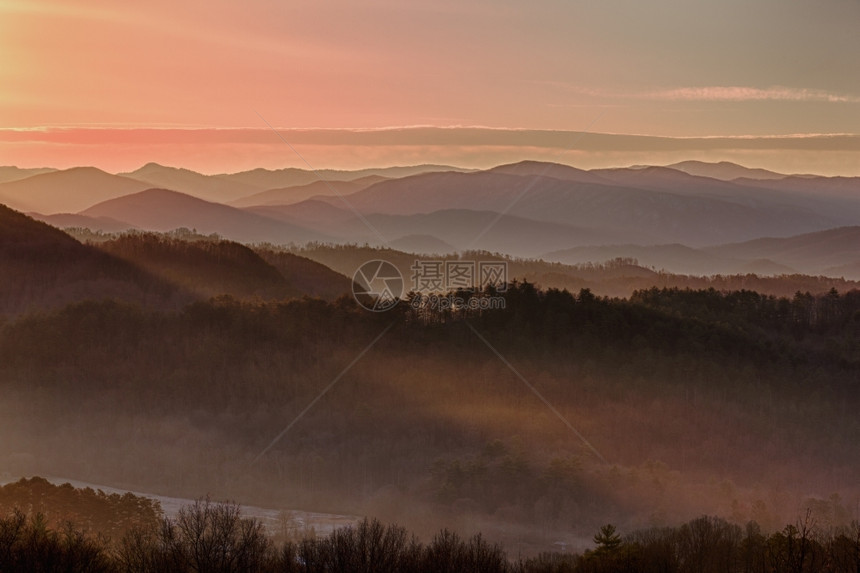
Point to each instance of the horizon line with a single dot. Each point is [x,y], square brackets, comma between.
[406,127]
[636,167]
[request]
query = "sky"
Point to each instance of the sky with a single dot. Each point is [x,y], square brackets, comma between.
[221,86]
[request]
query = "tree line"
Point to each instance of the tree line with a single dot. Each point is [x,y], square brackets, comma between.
[216,538]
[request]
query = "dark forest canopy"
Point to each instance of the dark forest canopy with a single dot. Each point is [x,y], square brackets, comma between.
[92,511]
[44,268]
[738,404]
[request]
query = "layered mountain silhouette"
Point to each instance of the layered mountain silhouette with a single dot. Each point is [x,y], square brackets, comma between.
[11,173]
[265,179]
[833,252]
[421,244]
[675,258]
[813,253]
[642,212]
[66,191]
[209,187]
[687,217]
[163,210]
[294,194]
[461,229]
[725,170]
[313,213]
[545,169]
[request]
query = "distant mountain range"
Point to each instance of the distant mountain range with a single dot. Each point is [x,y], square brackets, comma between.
[265,179]
[296,193]
[835,252]
[692,217]
[66,191]
[813,253]
[163,210]
[211,187]
[10,173]
[629,203]
[724,170]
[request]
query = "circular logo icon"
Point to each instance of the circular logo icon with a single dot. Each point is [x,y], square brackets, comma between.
[377,285]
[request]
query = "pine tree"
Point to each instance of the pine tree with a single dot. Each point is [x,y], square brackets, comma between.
[607,539]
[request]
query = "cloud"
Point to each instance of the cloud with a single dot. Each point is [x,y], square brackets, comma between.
[706,94]
[743,93]
[420,136]
[226,150]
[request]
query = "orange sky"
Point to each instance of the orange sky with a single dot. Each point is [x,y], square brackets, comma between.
[672,68]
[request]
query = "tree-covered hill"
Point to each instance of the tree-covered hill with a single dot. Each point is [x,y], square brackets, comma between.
[94,512]
[43,268]
[736,404]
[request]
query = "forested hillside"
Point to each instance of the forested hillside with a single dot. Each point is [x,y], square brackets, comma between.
[45,268]
[739,404]
[42,267]
[92,512]
[615,277]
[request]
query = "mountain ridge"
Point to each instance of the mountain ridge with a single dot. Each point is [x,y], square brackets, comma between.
[166,210]
[67,190]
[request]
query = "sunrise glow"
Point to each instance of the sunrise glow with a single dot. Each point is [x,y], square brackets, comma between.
[662,70]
